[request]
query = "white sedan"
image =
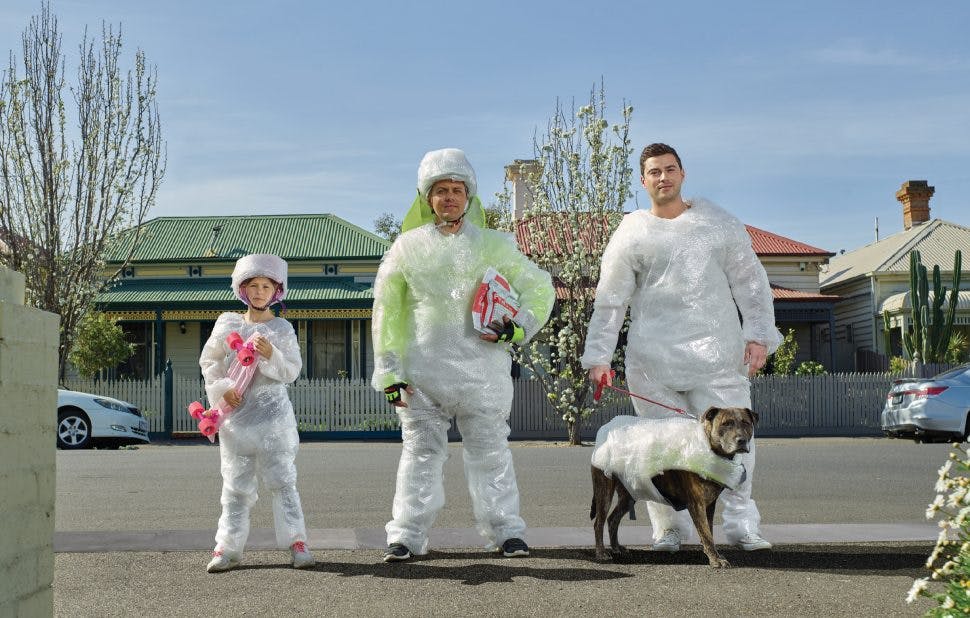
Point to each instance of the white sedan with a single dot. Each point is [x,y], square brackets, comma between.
[85,420]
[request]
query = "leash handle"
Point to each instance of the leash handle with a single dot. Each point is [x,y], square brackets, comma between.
[602,384]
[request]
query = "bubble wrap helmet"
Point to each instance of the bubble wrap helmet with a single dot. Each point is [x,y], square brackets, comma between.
[259,265]
[444,164]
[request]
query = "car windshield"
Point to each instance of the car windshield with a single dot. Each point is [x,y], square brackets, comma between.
[952,373]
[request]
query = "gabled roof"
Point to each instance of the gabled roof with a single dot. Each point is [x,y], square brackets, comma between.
[936,241]
[766,243]
[324,236]
[556,234]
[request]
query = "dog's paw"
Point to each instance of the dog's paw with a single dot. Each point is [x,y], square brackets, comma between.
[618,549]
[602,555]
[719,563]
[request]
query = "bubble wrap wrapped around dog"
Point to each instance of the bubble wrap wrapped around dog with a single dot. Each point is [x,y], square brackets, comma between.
[422,328]
[634,450]
[681,278]
[261,432]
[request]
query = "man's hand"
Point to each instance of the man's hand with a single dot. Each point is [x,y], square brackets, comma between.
[263,346]
[232,398]
[507,331]
[597,372]
[755,356]
[394,394]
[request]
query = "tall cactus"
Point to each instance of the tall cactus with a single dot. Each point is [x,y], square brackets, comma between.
[930,336]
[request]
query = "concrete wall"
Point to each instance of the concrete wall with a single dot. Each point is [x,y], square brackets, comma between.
[28,415]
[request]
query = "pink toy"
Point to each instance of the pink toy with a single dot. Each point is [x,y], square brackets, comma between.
[241,372]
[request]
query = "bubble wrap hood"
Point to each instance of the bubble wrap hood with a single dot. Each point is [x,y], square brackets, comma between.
[259,265]
[446,164]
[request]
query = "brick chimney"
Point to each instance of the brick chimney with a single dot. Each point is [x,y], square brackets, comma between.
[519,172]
[915,196]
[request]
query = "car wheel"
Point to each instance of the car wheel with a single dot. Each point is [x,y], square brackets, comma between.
[73,429]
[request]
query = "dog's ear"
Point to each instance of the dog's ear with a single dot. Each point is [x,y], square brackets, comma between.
[710,414]
[753,415]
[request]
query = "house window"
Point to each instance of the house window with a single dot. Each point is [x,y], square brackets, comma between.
[329,348]
[138,366]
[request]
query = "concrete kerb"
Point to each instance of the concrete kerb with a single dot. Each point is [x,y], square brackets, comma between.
[264,539]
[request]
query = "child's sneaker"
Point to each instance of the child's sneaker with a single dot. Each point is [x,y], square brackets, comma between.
[302,558]
[221,562]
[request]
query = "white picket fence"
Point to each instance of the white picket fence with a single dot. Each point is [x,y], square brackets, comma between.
[147,395]
[837,404]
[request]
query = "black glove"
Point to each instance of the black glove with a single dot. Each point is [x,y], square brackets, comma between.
[393,392]
[511,332]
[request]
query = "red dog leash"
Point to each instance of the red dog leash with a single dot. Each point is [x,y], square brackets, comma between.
[599,393]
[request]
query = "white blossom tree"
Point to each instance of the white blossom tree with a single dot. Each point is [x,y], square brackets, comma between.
[579,184]
[76,171]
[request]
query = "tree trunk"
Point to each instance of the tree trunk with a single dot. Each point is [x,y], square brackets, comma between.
[574,437]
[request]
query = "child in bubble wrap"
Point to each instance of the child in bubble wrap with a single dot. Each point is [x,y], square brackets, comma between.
[260,435]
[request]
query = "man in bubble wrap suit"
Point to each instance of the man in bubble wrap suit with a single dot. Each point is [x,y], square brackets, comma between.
[432,365]
[685,269]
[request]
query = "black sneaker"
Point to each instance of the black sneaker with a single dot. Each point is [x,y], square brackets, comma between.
[514,547]
[396,552]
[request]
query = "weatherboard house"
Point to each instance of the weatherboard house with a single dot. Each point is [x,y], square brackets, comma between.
[875,279]
[178,282]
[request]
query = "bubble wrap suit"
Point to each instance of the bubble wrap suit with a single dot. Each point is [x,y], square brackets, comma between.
[685,280]
[260,436]
[423,335]
[634,450]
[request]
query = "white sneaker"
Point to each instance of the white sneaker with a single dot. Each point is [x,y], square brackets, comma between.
[221,562]
[668,541]
[302,558]
[753,542]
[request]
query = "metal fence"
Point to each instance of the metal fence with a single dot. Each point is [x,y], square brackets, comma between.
[836,404]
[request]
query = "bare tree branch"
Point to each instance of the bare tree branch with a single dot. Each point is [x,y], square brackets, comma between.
[71,189]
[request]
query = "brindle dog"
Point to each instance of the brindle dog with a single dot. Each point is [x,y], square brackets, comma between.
[729,431]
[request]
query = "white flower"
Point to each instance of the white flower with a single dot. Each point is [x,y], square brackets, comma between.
[935,506]
[948,603]
[918,586]
[945,469]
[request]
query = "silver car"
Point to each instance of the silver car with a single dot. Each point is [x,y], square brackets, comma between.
[85,420]
[929,410]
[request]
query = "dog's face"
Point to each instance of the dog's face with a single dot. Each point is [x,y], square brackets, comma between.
[729,430]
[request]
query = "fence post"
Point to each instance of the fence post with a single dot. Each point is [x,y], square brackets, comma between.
[168,400]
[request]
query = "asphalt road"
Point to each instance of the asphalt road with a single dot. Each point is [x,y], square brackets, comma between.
[172,488]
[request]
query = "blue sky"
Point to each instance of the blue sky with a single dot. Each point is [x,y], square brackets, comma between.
[803,118]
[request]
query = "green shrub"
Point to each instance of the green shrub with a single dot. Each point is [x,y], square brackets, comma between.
[898,364]
[810,368]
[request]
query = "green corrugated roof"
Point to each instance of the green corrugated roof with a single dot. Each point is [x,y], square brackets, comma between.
[315,292]
[325,236]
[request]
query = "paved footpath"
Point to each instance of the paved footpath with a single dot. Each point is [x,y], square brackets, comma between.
[134,529]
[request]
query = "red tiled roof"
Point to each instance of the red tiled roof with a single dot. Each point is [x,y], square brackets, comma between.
[766,243]
[556,235]
[552,232]
[786,294]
